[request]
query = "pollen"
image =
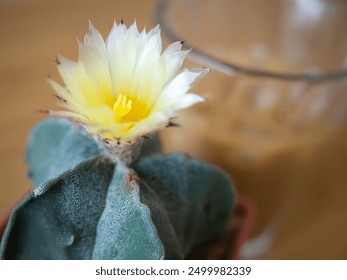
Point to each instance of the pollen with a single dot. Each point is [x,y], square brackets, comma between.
[121,107]
[130,110]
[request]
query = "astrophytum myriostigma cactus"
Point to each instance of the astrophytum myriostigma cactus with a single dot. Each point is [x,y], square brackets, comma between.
[102,187]
[85,206]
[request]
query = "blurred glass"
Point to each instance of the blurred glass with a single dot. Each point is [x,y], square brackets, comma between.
[275,96]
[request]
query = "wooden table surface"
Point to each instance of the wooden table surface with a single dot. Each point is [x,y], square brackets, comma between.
[32,32]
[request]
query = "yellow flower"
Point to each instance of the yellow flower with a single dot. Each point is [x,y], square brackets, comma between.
[125,87]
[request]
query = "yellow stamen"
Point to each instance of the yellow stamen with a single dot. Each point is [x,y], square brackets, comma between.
[122,107]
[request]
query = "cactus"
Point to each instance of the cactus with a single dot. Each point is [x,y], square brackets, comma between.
[86,206]
[97,195]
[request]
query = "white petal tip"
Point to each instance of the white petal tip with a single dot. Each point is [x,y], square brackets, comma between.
[188,100]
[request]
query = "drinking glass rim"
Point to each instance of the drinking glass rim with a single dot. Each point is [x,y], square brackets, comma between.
[231,68]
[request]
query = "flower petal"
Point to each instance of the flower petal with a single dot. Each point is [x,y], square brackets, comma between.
[177,87]
[188,100]
[172,48]
[174,62]
[154,41]
[71,103]
[174,57]
[93,55]
[154,122]
[70,115]
[116,36]
[79,83]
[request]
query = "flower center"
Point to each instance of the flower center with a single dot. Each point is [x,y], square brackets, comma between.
[130,110]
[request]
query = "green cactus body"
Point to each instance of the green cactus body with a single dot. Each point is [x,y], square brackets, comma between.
[85,206]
